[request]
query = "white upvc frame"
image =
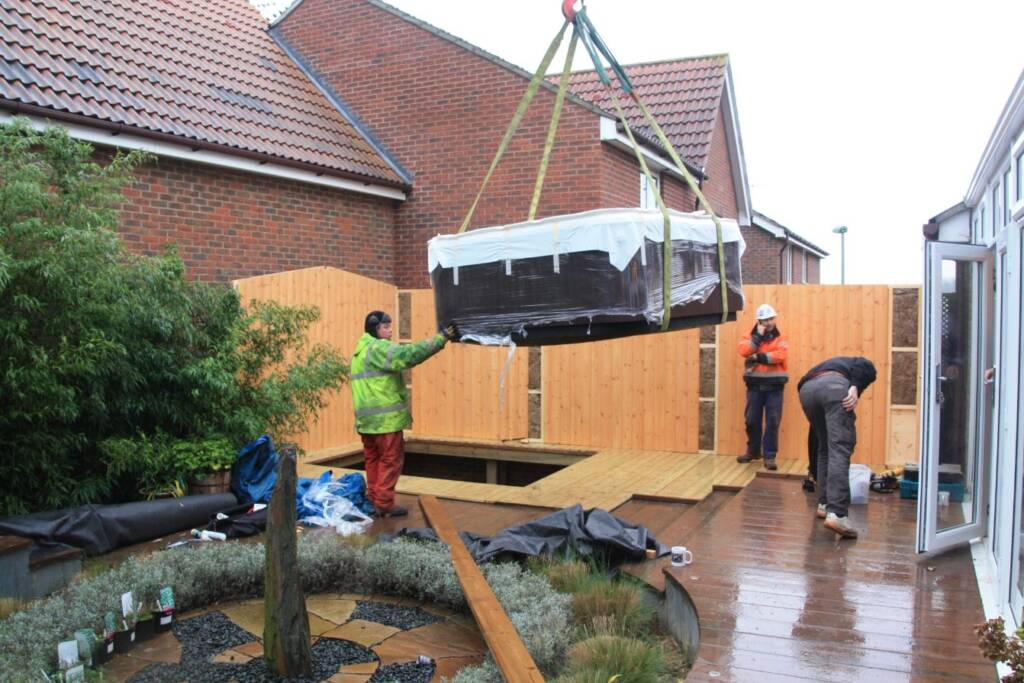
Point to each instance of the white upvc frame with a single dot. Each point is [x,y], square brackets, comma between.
[1009,418]
[929,537]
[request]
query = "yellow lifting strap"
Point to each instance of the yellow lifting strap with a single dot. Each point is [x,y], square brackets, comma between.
[524,104]
[549,144]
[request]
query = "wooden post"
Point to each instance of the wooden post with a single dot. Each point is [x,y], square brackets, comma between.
[286,625]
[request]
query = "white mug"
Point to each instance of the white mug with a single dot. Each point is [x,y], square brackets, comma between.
[681,556]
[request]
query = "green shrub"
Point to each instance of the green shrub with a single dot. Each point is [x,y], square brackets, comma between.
[99,344]
[603,658]
[613,607]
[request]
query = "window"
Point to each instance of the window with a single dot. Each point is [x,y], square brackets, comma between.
[1020,175]
[1007,199]
[975,235]
[648,193]
[983,223]
[804,277]
[996,212]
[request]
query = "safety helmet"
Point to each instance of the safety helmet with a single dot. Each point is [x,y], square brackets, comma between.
[765,311]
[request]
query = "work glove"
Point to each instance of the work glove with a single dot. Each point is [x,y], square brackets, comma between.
[762,358]
[451,332]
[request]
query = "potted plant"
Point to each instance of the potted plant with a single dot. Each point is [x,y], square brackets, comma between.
[999,647]
[206,462]
[164,614]
[145,627]
[102,650]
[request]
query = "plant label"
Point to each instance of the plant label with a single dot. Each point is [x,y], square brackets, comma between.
[109,623]
[166,598]
[127,604]
[67,654]
[75,675]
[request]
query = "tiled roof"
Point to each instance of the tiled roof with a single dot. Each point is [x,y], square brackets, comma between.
[205,72]
[682,94]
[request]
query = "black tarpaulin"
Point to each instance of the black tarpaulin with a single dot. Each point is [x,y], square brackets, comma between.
[98,529]
[568,531]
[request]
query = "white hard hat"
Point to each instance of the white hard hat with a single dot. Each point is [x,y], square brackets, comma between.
[765,311]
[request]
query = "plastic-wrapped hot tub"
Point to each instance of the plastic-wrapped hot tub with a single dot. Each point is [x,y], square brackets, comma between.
[582,277]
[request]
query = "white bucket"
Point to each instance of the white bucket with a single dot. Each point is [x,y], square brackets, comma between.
[860,484]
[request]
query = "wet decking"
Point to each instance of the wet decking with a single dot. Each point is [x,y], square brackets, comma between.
[780,598]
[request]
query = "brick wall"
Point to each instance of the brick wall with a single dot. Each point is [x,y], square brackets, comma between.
[718,186]
[813,270]
[761,259]
[441,110]
[230,224]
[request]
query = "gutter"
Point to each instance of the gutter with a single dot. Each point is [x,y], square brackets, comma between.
[195,145]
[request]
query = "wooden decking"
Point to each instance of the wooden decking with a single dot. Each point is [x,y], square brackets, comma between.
[606,479]
[780,598]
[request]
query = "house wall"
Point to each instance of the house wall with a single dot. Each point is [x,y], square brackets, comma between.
[761,259]
[718,186]
[441,109]
[813,270]
[231,224]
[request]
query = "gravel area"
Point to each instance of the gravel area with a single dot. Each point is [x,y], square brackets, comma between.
[215,633]
[405,618]
[404,673]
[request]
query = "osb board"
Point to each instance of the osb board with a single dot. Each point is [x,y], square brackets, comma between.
[638,392]
[344,299]
[904,436]
[458,392]
[819,321]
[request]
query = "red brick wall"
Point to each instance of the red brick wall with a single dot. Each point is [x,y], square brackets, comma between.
[798,265]
[813,270]
[761,259]
[230,224]
[620,182]
[718,186]
[441,110]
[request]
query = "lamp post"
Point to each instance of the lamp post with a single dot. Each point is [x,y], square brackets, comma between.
[841,231]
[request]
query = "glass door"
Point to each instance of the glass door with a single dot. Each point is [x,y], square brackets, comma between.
[956,409]
[1011,421]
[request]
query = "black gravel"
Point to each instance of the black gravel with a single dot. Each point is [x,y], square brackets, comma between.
[396,616]
[215,633]
[412,672]
[209,634]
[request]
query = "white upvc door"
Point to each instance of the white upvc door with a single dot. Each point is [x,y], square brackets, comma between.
[956,407]
[1011,419]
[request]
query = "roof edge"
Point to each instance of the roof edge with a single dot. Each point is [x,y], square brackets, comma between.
[780,231]
[670,60]
[340,106]
[16,107]
[734,141]
[1010,120]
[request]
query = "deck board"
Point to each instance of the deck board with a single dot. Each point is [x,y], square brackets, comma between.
[782,598]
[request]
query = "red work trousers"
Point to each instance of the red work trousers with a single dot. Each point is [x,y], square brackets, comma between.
[384,455]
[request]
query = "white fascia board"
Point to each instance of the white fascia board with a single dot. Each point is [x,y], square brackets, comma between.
[210,158]
[769,226]
[610,134]
[1010,123]
[737,159]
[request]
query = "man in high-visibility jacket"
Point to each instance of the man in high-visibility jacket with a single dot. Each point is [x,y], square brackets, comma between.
[381,403]
[765,351]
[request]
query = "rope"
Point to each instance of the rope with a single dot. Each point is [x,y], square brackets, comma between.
[553,128]
[517,118]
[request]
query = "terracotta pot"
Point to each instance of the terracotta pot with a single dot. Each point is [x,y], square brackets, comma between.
[218,482]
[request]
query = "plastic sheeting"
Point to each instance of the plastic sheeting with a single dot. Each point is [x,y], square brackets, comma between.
[98,529]
[572,530]
[255,471]
[582,277]
[314,497]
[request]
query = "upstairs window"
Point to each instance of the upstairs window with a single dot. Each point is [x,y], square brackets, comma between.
[648,192]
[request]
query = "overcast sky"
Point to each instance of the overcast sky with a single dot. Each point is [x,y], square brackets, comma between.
[867,114]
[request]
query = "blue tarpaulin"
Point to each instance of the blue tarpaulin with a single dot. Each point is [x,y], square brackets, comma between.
[255,475]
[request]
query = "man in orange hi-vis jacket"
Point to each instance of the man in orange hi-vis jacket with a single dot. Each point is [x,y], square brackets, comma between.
[765,351]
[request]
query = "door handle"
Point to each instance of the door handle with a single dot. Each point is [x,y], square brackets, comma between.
[939,398]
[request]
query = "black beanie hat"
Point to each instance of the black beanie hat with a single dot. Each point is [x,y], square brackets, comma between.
[373,319]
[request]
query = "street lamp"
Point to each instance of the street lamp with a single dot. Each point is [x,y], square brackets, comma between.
[841,231]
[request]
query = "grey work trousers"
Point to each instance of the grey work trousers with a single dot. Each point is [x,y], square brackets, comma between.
[836,430]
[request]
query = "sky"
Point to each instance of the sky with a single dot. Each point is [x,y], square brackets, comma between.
[867,114]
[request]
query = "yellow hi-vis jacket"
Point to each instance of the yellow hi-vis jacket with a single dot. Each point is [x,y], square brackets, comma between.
[378,394]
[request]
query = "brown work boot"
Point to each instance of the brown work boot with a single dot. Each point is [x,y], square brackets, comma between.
[822,512]
[840,525]
[769,464]
[747,458]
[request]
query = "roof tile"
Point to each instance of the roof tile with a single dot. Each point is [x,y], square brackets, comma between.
[204,71]
[682,94]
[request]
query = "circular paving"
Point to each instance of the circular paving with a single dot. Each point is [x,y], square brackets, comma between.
[355,639]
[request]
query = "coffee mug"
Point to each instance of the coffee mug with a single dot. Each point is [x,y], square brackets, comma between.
[681,556]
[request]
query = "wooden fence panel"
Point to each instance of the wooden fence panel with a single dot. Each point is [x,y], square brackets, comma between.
[820,321]
[639,392]
[344,299]
[457,392]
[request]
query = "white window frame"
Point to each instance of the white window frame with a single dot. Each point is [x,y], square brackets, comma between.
[648,200]
[804,278]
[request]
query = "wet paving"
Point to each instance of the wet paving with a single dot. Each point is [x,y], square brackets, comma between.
[780,598]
